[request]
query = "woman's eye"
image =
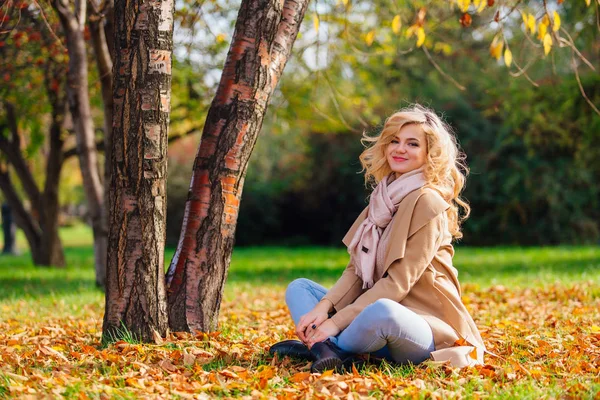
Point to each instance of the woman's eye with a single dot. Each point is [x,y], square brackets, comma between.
[413,144]
[395,141]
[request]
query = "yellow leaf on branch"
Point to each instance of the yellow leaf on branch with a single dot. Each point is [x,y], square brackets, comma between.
[463,5]
[396,24]
[316,22]
[480,5]
[588,2]
[370,37]
[496,48]
[410,31]
[507,57]
[546,20]
[420,36]
[547,43]
[542,29]
[556,22]
[530,23]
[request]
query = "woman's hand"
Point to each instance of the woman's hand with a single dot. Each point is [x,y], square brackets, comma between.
[323,331]
[312,320]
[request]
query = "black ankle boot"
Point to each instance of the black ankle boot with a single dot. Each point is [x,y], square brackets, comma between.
[327,355]
[291,348]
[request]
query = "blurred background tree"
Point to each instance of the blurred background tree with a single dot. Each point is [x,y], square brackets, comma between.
[530,135]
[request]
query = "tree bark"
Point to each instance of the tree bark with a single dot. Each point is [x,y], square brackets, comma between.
[264,35]
[73,23]
[135,292]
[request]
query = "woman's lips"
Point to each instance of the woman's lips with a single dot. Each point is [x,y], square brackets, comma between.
[399,159]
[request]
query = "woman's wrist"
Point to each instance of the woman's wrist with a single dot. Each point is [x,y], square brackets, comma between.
[325,304]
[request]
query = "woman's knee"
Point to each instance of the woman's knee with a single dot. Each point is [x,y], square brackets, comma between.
[296,288]
[385,309]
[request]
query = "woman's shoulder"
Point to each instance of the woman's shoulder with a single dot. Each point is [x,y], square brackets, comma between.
[420,207]
[425,200]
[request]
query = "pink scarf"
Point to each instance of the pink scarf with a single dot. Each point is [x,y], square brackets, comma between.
[382,206]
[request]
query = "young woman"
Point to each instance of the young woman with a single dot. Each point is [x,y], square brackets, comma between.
[399,297]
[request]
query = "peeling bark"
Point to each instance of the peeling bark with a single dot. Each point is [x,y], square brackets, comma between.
[136,294]
[264,35]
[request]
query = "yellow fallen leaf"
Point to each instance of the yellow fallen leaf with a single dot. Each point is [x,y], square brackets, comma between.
[327,373]
[595,329]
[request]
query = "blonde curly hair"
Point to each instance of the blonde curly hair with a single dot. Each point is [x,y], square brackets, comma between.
[445,169]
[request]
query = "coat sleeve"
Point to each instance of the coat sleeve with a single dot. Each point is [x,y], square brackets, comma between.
[402,274]
[346,289]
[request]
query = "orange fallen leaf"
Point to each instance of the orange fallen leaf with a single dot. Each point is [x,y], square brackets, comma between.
[299,377]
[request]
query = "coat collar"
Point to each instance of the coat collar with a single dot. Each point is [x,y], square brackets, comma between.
[407,220]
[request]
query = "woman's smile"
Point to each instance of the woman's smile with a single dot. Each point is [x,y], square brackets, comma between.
[407,149]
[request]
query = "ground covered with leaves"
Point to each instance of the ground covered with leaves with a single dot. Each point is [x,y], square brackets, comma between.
[546,336]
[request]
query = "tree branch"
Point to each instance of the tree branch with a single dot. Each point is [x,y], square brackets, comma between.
[445,75]
[191,131]
[73,150]
[12,150]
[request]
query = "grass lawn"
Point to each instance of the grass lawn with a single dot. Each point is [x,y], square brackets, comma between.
[538,309]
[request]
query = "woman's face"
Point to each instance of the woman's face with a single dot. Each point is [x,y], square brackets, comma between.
[408,149]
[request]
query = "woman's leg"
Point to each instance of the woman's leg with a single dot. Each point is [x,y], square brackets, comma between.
[388,325]
[301,296]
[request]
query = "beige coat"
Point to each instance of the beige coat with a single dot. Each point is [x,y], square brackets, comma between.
[419,273]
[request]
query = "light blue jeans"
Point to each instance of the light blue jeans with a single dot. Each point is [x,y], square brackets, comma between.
[386,329]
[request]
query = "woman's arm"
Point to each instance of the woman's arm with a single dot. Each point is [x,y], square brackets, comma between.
[347,288]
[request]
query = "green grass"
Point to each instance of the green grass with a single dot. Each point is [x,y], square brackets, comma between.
[74,287]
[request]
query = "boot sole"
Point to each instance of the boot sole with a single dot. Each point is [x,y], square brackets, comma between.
[324,364]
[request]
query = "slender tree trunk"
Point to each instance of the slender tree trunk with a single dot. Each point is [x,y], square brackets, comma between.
[264,34]
[99,35]
[135,292]
[22,218]
[73,23]
[44,241]
[100,29]
[51,243]
[8,230]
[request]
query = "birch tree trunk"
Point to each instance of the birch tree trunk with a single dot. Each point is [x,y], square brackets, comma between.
[136,294]
[73,24]
[264,35]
